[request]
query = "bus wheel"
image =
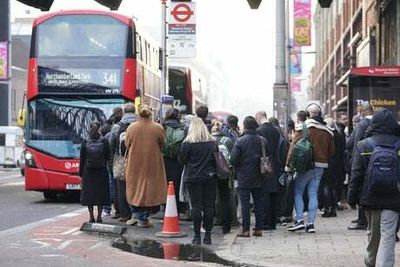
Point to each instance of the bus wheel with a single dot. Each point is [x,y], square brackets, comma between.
[50,195]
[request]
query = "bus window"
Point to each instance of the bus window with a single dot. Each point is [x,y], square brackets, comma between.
[146,52]
[149,54]
[138,47]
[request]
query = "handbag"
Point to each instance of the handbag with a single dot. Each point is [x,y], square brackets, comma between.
[266,166]
[119,164]
[223,170]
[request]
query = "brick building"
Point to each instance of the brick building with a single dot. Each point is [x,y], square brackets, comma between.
[351,33]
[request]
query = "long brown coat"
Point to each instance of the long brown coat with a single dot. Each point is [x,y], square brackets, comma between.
[146,185]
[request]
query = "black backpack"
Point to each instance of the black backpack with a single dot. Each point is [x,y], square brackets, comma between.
[95,154]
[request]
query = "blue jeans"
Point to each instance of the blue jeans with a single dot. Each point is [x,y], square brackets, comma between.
[140,213]
[311,180]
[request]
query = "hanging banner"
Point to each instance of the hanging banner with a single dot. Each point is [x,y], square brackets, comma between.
[182,30]
[295,84]
[295,60]
[302,22]
[3,61]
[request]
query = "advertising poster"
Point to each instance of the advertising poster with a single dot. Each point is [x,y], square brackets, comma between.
[3,60]
[302,22]
[376,86]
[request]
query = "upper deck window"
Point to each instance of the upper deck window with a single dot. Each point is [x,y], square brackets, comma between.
[81,36]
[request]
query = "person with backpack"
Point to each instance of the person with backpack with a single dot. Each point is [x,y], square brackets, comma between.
[94,155]
[197,154]
[175,134]
[225,184]
[246,159]
[308,156]
[357,135]
[272,187]
[374,185]
[117,151]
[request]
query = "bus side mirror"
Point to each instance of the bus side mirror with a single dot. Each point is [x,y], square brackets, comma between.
[21,119]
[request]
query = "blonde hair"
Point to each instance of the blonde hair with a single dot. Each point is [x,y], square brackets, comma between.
[198,132]
[145,111]
[216,126]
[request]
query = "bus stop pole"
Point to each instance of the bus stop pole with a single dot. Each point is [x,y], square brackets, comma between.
[164,68]
[5,78]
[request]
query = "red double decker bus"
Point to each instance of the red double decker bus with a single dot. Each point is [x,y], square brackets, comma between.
[82,65]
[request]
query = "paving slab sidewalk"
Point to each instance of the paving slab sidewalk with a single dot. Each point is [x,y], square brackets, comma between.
[331,245]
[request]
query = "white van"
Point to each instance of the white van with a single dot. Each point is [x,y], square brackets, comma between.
[11,145]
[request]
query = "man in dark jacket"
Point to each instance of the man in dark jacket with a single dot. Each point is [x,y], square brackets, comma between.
[246,156]
[173,169]
[381,209]
[333,176]
[272,187]
[357,135]
[128,118]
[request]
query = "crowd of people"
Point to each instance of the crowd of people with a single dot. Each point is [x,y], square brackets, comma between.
[222,173]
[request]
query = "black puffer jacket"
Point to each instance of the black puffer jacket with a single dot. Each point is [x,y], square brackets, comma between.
[384,129]
[246,157]
[199,161]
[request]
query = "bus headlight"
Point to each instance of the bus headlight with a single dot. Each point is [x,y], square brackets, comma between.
[29,161]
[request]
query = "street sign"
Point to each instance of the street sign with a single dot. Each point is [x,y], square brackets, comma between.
[182,30]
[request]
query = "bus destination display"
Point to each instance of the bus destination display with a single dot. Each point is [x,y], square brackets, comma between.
[99,81]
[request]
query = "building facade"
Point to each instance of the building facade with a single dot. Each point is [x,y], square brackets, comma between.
[351,33]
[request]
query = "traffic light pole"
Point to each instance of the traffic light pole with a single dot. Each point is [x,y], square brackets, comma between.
[5,113]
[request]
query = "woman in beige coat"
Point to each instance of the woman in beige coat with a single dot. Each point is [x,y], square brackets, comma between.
[146,184]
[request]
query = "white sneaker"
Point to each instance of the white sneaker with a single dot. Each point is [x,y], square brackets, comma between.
[132,221]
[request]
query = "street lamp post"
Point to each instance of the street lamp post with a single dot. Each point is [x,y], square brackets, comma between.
[164,68]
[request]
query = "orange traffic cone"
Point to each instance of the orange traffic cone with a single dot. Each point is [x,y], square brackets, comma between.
[171,251]
[171,221]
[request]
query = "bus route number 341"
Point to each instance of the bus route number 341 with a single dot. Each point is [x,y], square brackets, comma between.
[110,79]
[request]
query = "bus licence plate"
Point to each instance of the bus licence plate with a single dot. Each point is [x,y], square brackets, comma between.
[73,186]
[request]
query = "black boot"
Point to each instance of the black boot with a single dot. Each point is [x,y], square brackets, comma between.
[207,238]
[196,240]
[326,213]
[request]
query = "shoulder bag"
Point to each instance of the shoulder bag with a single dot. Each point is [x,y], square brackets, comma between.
[266,166]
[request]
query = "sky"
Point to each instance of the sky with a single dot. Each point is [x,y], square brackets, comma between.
[235,46]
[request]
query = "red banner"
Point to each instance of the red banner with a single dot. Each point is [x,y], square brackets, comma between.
[302,22]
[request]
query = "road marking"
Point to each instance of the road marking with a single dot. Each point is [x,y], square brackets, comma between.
[14,184]
[26,227]
[11,176]
[53,255]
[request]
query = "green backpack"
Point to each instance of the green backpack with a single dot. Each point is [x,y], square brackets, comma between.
[173,142]
[302,154]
